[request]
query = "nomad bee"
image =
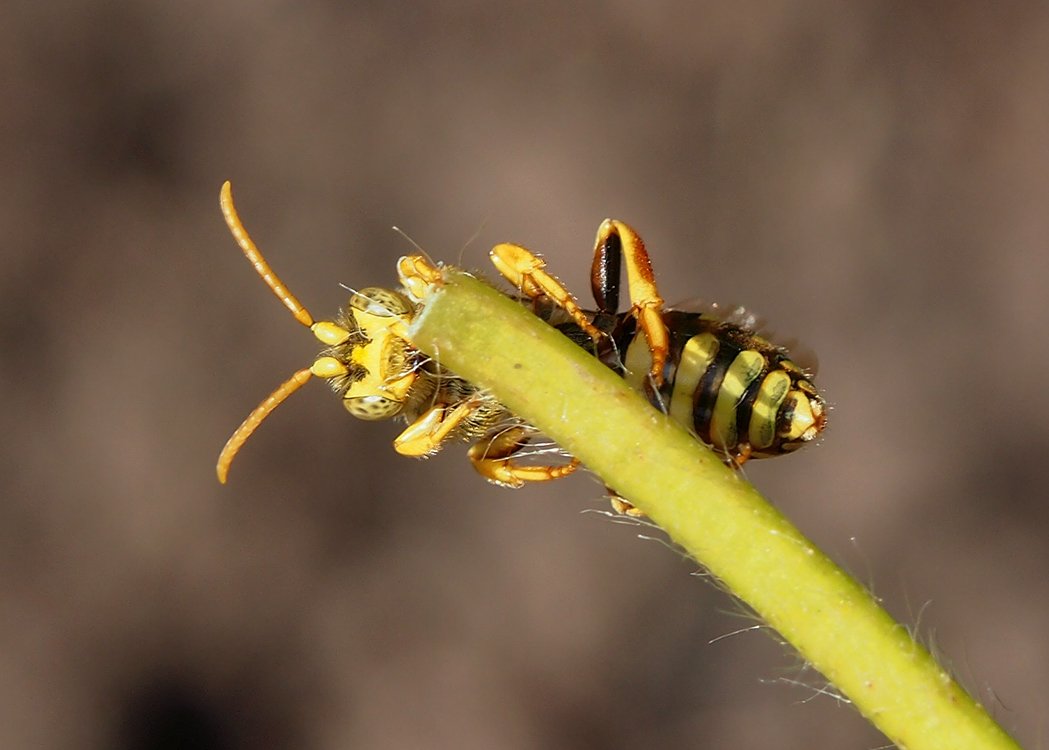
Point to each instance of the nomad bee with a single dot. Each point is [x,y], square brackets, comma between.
[736,391]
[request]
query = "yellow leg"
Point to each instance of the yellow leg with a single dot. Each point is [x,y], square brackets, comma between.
[426,434]
[646,303]
[621,506]
[418,275]
[524,270]
[491,459]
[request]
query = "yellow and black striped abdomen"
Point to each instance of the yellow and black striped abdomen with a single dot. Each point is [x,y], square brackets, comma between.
[735,390]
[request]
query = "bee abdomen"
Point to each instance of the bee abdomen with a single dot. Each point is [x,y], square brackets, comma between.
[737,392]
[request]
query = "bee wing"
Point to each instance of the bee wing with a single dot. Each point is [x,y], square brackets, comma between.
[734,315]
[741,317]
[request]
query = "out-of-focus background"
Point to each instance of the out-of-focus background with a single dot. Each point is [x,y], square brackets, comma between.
[873,177]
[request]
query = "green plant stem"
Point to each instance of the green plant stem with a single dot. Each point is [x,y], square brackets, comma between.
[711,511]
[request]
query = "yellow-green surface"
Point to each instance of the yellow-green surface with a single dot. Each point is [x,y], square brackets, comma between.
[706,508]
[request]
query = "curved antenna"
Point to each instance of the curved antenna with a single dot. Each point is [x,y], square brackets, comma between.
[248,426]
[296,381]
[251,252]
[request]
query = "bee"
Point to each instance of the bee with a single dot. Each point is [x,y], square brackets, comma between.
[736,391]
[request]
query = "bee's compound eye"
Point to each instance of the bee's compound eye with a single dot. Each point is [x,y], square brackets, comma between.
[381,302]
[372,408]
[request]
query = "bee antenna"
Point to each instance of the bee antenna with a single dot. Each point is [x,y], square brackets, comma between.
[252,253]
[249,425]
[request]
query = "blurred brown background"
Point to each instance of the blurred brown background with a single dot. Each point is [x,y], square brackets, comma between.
[872,176]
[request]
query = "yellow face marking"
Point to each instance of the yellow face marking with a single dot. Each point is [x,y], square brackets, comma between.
[696,357]
[367,356]
[376,358]
[762,431]
[744,369]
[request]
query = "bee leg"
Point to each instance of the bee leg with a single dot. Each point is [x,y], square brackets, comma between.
[418,276]
[739,456]
[621,506]
[524,269]
[425,435]
[616,240]
[605,274]
[491,458]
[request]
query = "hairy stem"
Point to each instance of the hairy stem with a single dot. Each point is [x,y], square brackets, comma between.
[708,509]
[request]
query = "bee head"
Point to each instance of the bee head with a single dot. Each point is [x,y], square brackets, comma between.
[368,361]
[368,358]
